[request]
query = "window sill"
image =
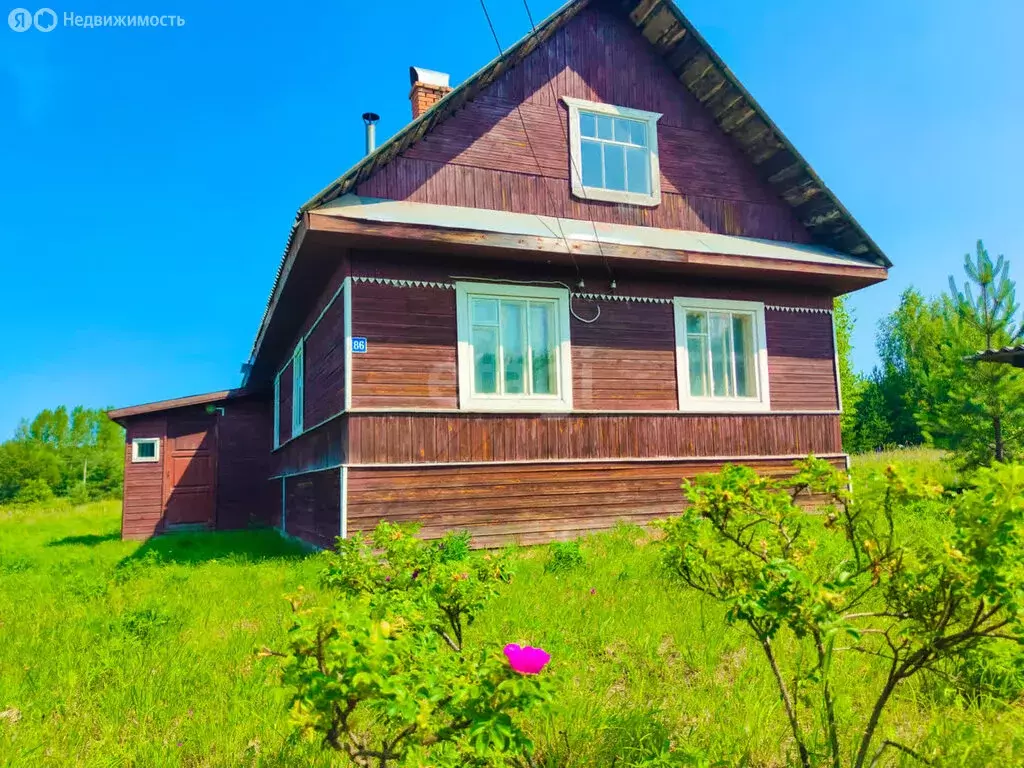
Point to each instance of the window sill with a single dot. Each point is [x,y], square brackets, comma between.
[521,405]
[590,194]
[724,406]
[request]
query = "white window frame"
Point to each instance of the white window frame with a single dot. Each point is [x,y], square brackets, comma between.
[277,411]
[562,401]
[687,402]
[298,388]
[137,459]
[576,170]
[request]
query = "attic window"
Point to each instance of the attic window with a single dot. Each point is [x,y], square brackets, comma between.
[614,153]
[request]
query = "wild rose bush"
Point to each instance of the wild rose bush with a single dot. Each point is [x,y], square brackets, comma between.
[383,673]
[845,581]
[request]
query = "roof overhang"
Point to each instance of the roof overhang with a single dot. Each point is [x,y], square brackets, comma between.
[208,398]
[400,224]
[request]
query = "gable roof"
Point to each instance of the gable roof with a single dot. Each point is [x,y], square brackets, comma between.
[706,76]
[700,70]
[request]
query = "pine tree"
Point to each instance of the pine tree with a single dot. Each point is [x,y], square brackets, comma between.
[989,394]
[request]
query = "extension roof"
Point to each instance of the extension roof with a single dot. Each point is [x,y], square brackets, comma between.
[697,66]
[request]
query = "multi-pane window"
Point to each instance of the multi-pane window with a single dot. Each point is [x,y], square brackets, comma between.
[722,356]
[513,347]
[614,153]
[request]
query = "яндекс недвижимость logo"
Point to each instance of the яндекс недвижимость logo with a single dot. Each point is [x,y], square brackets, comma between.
[45,20]
[22,20]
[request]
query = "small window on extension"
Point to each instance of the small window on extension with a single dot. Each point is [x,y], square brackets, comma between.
[145,449]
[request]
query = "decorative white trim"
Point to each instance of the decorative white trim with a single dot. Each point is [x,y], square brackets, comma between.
[690,404]
[396,283]
[650,199]
[343,493]
[610,460]
[533,403]
[347,299]
[137,459]
[662,412]
[309,471]
[813,310]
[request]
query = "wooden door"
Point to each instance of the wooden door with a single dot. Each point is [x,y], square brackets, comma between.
[190,472]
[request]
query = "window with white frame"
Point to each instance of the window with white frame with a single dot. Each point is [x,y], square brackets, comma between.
[298,388]
[721,355]
[513,347]
[145,450]
[614,153]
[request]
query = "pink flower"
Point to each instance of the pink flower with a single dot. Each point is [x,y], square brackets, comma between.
[526,661]
[593,591]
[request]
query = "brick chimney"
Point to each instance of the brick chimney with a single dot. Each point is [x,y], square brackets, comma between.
[428,88]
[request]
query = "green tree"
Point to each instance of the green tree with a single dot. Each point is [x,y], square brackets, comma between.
[851,384]
[78,453]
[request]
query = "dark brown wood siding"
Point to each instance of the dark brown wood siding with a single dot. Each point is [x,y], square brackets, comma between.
[143,506]
[483,158]
[325,446]
[245,495]
[801,361]
[525,503]
[284,414]
[424,438]
[410,359]
[313,507]
[625,361]
[325,362]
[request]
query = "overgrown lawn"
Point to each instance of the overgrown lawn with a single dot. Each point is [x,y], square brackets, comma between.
[122,653]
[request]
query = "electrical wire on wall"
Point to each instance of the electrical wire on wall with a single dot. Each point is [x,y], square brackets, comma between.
[573,169]
[572,311]
[551,200]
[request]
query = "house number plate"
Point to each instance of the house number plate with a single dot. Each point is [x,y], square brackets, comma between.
[358,343]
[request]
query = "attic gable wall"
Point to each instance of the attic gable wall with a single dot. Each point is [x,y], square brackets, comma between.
[481,157]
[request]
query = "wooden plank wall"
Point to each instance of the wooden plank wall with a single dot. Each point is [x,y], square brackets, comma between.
[143,506]
[325,363]
[453,437]
[284,415]
[410,359]
[245,495]
[482,157]
[525,503]
[313,507]
[319,448]
[801,361]
[625,361]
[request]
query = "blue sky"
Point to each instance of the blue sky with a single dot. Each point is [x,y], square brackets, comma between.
[148,177]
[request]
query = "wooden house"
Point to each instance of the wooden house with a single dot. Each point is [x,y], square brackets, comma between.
[592,269]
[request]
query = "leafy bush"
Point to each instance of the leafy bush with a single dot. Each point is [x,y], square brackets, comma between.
[848,581]
[382,671]
[564,556]
[33,491]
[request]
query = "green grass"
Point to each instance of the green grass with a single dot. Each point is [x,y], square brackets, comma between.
[118,653]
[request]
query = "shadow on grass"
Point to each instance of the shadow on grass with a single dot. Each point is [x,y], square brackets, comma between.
[86,540]
[241,547]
